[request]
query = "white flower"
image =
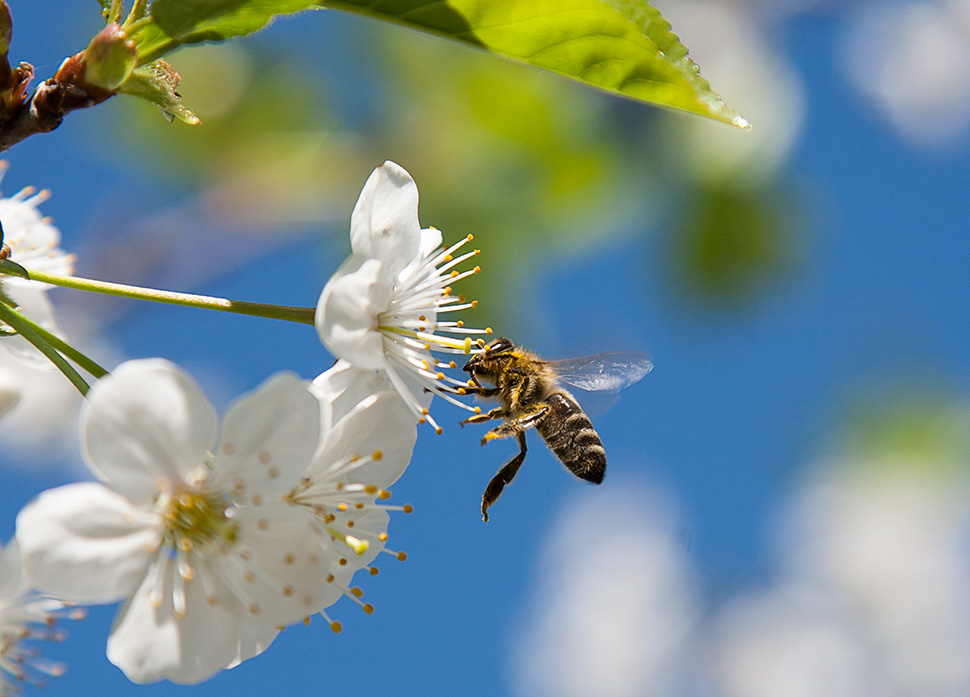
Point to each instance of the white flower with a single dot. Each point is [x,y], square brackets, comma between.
[211,560]
[24,616]
[33,244]
[380,310]
[367,442]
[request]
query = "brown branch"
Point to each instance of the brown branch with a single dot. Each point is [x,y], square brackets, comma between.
[54,98]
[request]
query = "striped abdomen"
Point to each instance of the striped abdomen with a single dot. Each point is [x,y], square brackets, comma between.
[570,435]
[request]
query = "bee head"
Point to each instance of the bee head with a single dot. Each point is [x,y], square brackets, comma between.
[499,345]
[480,361]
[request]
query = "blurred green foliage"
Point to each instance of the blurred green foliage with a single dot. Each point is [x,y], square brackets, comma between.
[538,168]
[922,428]
[732,245]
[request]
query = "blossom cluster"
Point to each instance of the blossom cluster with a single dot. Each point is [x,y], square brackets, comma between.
[216,536]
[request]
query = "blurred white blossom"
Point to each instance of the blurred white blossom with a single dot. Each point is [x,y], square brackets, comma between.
[737,54]
[615,605]
[25,617]
[34,244]
[892,541]
[912,59]
[794,640]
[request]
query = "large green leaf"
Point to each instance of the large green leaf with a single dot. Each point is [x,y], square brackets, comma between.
[621,46]
[172,23]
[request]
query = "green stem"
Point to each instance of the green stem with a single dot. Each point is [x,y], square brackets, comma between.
[287,313]
[66,349]
[16,321]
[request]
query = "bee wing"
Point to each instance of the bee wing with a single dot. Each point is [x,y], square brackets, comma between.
[608,372]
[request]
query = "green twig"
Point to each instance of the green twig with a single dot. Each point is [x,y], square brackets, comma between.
[16,321]
[66,349]
[303,315]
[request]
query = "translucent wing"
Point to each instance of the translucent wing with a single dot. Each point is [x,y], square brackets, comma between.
[609,372]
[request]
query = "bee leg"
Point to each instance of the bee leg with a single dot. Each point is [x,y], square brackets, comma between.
[517,426]
[504,476]
[480,390]
[487,416]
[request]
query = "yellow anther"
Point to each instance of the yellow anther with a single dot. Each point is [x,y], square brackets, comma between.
[448,257]
[377,455]
[460,323]
[453,274]
[374,571]
[475,304]
[336,627]
[477,252]
[357,592]
[401,556]
[470,238]
[384,495]
[478,410]
[488,330]
[368,608]
[439,430]
[468,349]
[439,376]
[478,269]
[382,537]
[370,489]
[359,546]
[408,508]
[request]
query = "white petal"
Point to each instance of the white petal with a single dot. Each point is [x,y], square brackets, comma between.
[348,310]
[384,224]
[33,241]
[148,643]
[85,543]
[282,563]
[32,302]
[342,387]
[147,420]
[10,390]
[12,583]
[269,436]
[380,423]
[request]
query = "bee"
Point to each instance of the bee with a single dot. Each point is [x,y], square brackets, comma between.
[530,396]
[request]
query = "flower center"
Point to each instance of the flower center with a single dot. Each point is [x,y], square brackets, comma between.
[194,519]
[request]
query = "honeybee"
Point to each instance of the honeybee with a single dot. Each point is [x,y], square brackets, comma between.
[530,396]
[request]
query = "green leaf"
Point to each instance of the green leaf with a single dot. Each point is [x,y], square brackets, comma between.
[12,268]
[173,23]
[156,82]
[621,46]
